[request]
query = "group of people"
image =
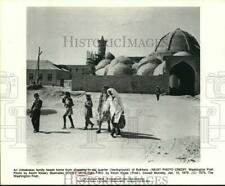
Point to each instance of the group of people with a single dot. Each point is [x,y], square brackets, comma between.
[110,110]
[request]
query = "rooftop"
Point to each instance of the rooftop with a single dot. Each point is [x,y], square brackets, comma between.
[44,65]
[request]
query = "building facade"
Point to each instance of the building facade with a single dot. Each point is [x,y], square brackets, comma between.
[49,73]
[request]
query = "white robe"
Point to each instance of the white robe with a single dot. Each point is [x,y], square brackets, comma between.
[115,108]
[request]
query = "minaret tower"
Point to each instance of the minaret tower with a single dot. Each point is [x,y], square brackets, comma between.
[101,47]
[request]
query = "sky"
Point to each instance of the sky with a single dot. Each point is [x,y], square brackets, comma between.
[66,33]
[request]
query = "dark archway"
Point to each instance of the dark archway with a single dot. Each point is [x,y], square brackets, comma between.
[182,79]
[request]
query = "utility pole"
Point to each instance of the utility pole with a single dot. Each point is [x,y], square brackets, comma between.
[38,64]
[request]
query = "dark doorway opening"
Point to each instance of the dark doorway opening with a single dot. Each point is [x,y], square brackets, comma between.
[62,82]
[182,80]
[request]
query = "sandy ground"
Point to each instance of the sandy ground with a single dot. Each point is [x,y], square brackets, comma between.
[163,131]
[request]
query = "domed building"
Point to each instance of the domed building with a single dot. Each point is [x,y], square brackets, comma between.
[147,65]
[180,52]
[120,66]
[177,41]
[102,64]
[174,66]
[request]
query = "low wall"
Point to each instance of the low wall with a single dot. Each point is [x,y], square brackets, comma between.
[123,84]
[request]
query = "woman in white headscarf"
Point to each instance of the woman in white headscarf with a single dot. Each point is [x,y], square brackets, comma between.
[103,114]
[115,106]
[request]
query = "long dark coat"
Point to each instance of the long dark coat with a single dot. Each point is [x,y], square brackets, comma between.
[88,109]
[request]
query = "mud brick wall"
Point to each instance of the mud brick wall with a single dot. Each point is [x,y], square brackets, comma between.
[123,84]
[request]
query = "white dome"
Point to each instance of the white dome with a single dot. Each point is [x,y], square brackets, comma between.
[119,69]
[102,71]
[120,66]
[102,64]
[146,66]
[160,69]
[146,69]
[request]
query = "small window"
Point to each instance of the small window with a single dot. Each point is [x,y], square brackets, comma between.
[76,69]
[49,77]
[31,76]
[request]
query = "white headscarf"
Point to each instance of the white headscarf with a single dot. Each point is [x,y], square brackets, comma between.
[116,95]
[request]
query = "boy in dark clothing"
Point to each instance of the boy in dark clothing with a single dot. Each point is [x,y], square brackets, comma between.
[157,92]
[36,112]
[68,103]
[88,112]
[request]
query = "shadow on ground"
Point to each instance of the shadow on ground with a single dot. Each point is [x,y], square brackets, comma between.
[54,132]
[48,111]
[134,135]
[44,111]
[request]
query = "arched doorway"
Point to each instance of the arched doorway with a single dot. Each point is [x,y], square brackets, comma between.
[182,79]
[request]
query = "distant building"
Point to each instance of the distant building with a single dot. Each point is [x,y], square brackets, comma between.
[80,69]
[49,73]
[180,52]
[174,66]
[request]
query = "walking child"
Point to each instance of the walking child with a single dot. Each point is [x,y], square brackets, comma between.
[68,103]
[157,92]
[88,111]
